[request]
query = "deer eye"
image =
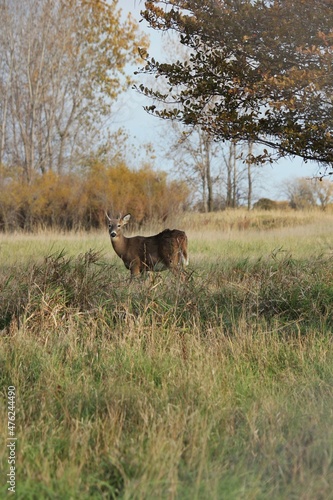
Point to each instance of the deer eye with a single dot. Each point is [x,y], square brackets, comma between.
[118,225]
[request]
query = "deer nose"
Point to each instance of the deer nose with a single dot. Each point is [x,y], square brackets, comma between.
[113,234]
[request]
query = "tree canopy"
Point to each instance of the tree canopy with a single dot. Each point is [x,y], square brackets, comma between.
[257,70]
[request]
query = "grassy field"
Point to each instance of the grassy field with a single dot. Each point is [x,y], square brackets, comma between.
[217,388]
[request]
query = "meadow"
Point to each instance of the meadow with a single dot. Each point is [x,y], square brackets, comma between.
[219,387]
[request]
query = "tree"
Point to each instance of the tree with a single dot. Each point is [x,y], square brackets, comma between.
[237,174]
[306,193]
[195,156]
[249,176]
[232,176]
[62,67]
[259,71]
[323,190]
[300,194]
[217,173]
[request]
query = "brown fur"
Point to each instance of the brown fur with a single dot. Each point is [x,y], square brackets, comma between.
[166,250]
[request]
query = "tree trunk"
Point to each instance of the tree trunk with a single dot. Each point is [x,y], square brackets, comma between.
[229,180]
[249,176]
[209,180]
[204,191]
[234,180]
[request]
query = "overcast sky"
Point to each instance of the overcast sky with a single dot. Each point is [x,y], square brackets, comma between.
[144,128]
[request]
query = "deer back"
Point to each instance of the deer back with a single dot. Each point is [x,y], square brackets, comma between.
[166,250]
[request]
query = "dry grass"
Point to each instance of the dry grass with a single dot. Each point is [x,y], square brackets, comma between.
[220,387]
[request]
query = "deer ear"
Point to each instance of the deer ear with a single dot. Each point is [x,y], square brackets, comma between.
[126,218]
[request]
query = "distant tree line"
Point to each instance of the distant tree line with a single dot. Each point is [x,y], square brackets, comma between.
[301,194]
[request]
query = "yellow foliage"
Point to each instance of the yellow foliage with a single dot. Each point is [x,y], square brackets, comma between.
[76,200]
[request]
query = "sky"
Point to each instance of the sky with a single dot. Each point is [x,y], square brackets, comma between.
[143,128]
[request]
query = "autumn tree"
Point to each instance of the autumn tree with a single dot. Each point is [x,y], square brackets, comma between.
[308,193]
[80,199]
[62,68]
[258,71]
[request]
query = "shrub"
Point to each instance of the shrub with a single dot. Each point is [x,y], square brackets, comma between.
[79,200]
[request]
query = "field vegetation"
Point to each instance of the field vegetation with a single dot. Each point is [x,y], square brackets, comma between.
[218,387]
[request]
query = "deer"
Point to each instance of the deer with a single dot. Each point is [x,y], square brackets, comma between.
[140,254]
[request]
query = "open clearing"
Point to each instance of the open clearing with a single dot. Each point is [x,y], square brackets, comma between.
[220,387]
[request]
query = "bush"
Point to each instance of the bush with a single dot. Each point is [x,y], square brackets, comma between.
[80,200]
[265,204]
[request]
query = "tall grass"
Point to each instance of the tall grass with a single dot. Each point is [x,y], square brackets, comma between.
[219,387]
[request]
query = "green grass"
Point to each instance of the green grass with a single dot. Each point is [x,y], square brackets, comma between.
[219,387]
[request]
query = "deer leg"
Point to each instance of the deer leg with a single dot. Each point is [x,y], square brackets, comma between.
[178,271]
[135,269]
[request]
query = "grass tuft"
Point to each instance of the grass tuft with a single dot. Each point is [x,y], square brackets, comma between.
[219,387]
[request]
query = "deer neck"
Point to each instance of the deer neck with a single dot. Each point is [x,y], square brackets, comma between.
[120,245]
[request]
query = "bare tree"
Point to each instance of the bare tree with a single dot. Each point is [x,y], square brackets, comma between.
[323,190]
[195,155]
[303,192]
[300,193]
[237,174]
[221,174]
